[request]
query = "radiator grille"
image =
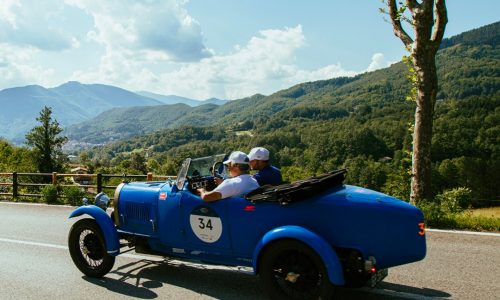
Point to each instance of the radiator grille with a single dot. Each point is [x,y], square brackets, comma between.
[138,211]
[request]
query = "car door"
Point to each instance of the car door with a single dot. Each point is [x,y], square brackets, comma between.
[205,225]
[169,217]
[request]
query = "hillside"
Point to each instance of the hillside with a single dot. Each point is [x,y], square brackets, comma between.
[71,103]
[123,123]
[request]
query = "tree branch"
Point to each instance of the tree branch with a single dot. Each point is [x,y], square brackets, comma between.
[396,24]
[412,4]
[440,23]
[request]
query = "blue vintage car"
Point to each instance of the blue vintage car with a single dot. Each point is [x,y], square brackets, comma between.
[303,239]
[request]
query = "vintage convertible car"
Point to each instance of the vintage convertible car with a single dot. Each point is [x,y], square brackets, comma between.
[303,239]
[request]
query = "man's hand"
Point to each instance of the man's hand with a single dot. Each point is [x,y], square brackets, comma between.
[218,180]
[209,196]
[201,192]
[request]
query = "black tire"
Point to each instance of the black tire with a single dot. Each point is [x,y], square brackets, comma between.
[88,249]
[289,269]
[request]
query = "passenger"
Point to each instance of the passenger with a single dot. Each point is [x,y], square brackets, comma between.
[267,174]
[240,183]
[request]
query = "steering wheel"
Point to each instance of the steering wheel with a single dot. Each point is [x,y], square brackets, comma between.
[215,169]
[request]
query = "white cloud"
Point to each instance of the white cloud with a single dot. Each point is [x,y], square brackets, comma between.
[157,26]
[35,24]
[254,68]
[378,62]
[6,12]
[17,68]
[264,65]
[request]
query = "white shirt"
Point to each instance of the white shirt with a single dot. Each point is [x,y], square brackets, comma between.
[237,186]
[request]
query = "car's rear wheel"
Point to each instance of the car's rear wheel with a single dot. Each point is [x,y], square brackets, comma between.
[88,249]
[289,269]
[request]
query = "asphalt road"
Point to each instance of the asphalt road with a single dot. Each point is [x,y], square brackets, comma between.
[35,264]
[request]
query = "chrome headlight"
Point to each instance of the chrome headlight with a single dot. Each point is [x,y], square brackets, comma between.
[102,200]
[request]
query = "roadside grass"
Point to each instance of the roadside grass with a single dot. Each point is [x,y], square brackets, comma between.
[493,212]
[466,221]
[477,223]
[439,216]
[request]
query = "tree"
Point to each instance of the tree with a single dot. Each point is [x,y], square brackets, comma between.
[47,143]
[138,162]
[428,20]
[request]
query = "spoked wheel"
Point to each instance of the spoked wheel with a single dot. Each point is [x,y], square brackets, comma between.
[291,270]
[88,249]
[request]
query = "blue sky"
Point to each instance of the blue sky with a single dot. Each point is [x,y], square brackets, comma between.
[203,48]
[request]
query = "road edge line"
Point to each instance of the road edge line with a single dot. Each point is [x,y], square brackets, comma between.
[464,232]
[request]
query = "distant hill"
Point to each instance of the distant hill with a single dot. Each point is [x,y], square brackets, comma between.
[71,103]
[122,123]
[172,99]
[487,35]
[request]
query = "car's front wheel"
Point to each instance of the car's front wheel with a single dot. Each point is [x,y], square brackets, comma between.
[289,269]
[88,249]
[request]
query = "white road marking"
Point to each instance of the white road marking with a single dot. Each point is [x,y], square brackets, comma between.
[33,243]
[30,243]
[35,204]
[464,232]
[245,270]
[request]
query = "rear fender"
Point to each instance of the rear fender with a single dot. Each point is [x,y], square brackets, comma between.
[105,223]
[318,244]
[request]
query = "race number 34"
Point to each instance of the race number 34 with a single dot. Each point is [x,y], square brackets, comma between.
[208,224]
[207,229]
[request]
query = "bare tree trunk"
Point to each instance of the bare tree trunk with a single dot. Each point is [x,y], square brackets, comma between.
[428,20]
[422,136]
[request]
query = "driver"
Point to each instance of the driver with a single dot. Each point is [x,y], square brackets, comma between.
[240,183]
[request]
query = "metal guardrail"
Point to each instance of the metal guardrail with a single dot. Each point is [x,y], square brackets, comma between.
[16,184]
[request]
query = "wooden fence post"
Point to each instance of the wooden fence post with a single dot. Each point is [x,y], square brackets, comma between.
[99,183]
[150,177]
[14,185]
[54,178]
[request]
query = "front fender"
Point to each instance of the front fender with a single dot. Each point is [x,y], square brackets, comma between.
[105,223]
[318,244]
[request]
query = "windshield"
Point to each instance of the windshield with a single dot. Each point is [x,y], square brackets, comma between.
[200,167]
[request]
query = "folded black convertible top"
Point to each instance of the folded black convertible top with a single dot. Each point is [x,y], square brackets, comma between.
[298,190]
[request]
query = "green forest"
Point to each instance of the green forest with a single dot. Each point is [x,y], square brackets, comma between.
[362,123]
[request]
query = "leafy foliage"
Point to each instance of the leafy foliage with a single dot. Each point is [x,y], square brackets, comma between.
[455,200]
[47,143]
[74,195]
[49,194]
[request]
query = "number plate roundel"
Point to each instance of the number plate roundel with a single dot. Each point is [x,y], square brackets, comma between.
[206,224]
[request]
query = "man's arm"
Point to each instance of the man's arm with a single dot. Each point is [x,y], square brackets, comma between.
[209,196]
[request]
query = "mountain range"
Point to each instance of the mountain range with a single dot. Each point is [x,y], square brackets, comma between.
[173,99]
[72,103]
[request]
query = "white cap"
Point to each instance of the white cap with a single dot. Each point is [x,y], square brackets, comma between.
[258,153]
[237,157]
